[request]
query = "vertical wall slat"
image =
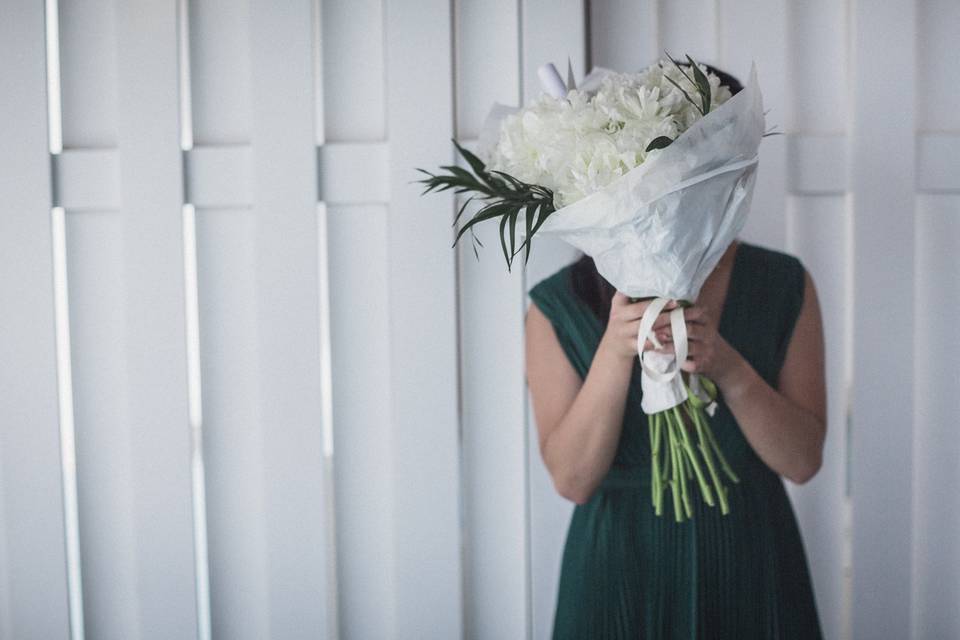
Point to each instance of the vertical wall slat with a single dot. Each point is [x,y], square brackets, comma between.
[883,224]
[936,557]
[491,354]
[88,54]
[740,43]
[300,595]
[936,521]
[549,513]
[33,574]
[624,34]
[360,331]
[423,340]
[818,233]
[156,409]
[352,42]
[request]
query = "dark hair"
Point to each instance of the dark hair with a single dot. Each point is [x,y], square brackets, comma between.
[586,281]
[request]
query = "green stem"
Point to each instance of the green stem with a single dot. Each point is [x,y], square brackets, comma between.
[684,490]
[720,456]
[654,459]
[675,465]
[704,446]
[704,487]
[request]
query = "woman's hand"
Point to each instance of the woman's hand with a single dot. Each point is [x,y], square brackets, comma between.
[708,353]
[623,324]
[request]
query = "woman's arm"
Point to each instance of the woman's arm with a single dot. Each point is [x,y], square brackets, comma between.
[785,426]
[579,421]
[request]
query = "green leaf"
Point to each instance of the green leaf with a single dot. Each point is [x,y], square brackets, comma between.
[679,68]
[513,233]
[685,94]
[462,208]
[475,163]
[703,85]
[660,142]
[528,228]
[503,240]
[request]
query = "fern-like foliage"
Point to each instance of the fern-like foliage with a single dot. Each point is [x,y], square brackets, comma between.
[505,197]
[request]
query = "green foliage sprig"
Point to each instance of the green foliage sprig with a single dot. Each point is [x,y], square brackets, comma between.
[702,85]
[505,196]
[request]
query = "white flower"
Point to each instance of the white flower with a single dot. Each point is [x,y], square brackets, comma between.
[580,144]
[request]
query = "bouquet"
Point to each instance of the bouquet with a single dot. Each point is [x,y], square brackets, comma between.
[652,174]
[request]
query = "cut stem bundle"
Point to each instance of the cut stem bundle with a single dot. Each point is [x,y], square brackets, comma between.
[676,463]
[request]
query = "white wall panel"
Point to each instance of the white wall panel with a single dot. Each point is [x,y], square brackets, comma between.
[493,399]
[88,60]
[155,365]
[354,92]
[936,559]
[816,39]
[624,35]
[423,340]
[882,186]
[33,574]
[549,513]
[232,440]
[104,439]
[937,74]
[741,43]
[818,231]
[359,308]
[301,588]
[219,32]
[689,27]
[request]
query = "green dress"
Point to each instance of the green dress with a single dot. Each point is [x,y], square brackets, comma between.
[627,573]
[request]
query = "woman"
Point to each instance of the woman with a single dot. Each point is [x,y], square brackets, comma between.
[755,330]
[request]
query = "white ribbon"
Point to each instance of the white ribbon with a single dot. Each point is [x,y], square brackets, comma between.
[660,378]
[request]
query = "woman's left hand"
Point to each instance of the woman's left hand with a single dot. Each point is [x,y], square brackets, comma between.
[708,353]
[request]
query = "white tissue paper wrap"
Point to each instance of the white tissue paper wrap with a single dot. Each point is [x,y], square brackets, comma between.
[659,230]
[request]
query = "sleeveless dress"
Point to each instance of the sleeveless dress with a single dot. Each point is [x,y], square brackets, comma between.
[628,573]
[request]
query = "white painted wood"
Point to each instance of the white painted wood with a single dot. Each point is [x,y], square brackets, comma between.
[355,172]
[814,116]
[740,43]
[359,317]
[882,185]
[155,366]
[233,439]
[219,176]
[493,398]
[220,82]
[355,68]
[300,595]
[33,577]
[937,75]
[938,159]
[819,234]
[549,513]
[936,520]
[623,34]
[89,69]
[87,179]
[816,41]
[817,164]
[688,27]
[423,341]
[105,469]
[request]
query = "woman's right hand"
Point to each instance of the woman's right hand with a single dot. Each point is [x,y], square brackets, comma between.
[623,324]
